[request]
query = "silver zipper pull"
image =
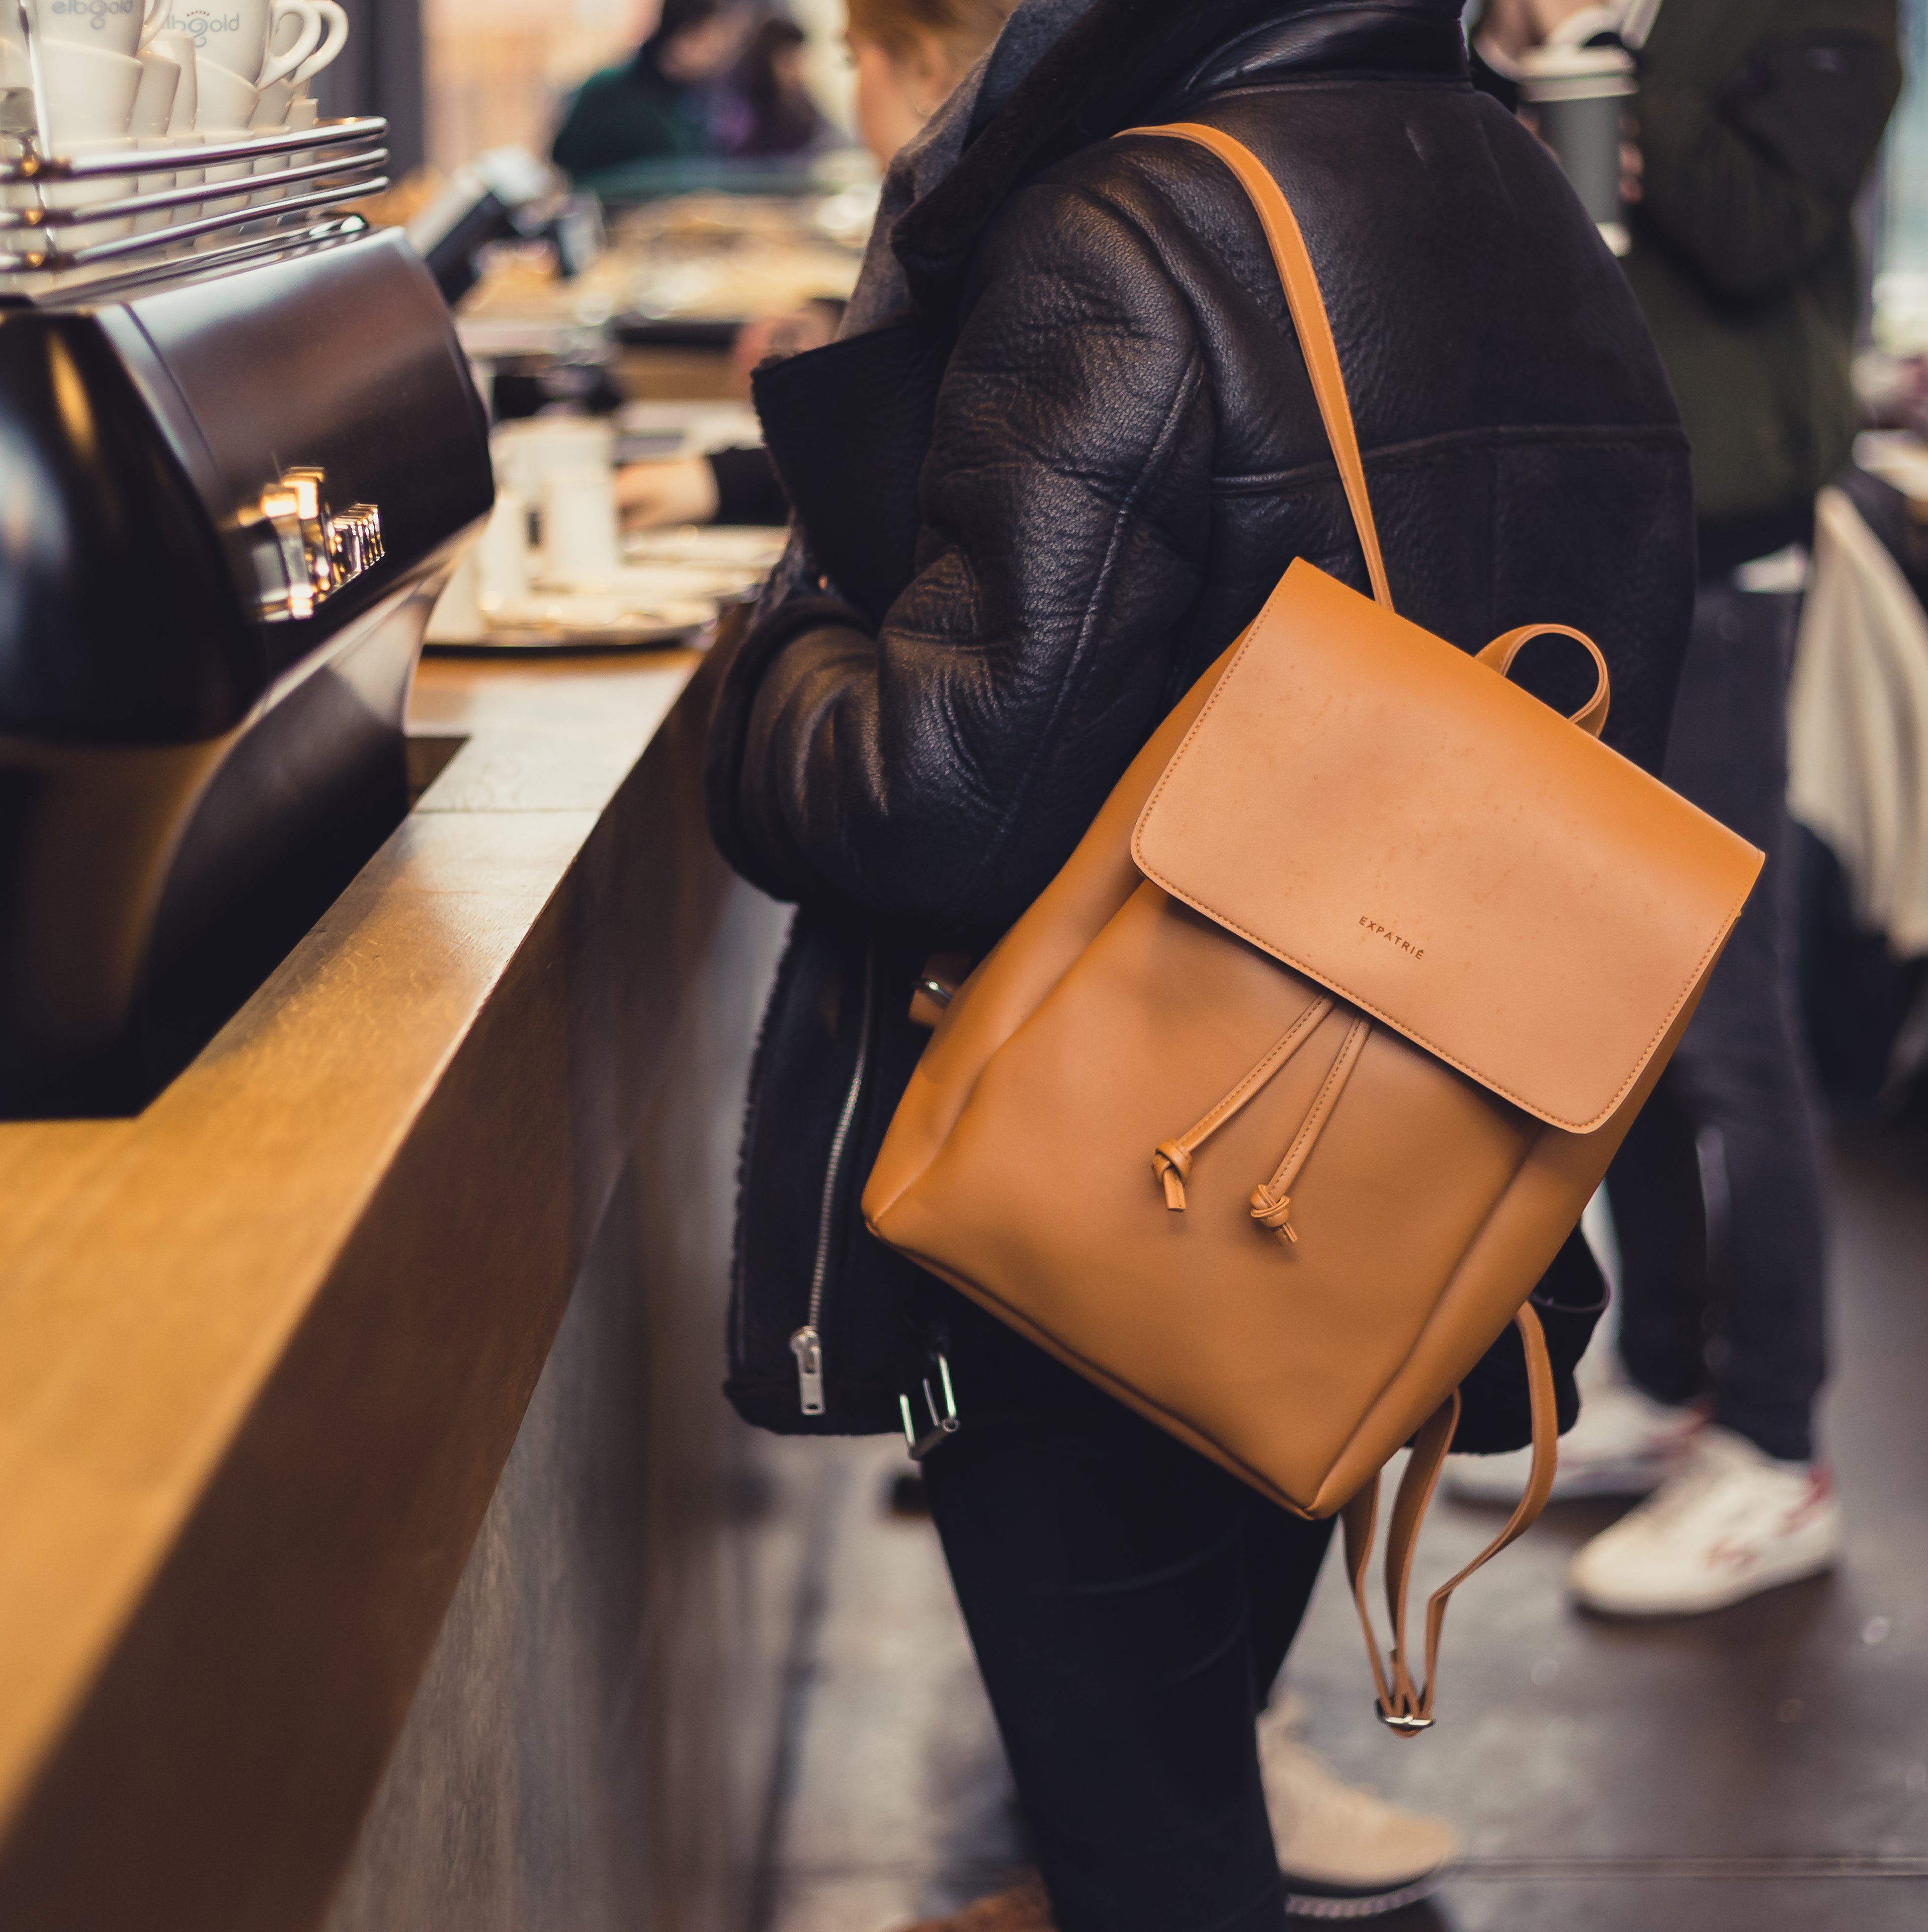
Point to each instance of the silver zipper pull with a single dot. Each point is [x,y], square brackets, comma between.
[806,1346]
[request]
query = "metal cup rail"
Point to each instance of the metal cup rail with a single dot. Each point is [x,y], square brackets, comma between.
[295,178]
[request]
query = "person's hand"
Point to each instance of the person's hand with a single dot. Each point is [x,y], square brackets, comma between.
[681,491]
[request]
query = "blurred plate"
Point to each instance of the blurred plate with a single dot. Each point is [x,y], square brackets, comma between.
[752,550]
[674,584]
[567,621]
[657,581]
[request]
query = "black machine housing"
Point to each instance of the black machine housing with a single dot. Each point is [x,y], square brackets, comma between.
[227,504]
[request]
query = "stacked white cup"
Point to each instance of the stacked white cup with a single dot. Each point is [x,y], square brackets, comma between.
[154,107]
[287,104]
[177,50]
[87,78]
[244,49]
[278,97]
[231,54]
[16,72]
[116,77]
[88,74]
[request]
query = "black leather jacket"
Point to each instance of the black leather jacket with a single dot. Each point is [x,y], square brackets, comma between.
[1125,456]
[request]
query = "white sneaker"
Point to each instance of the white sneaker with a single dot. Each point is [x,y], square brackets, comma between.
[1625,1443]
[1731,1523]
[1345,1852]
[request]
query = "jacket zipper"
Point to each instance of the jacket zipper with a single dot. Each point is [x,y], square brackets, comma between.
[807,1344]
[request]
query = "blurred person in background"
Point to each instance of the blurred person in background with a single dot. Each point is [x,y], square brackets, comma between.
[776,115]
[908,56]
[1754,126]
[661,104]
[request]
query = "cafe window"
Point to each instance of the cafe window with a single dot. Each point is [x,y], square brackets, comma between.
[1901,281]
[498,70]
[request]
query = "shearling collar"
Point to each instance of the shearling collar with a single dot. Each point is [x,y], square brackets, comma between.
[1128,60]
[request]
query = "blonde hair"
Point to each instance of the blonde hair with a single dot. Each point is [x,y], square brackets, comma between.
[964,29]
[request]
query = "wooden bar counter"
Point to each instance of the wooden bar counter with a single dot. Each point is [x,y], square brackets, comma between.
[376,1549]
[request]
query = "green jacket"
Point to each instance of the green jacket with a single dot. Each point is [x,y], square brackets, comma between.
[1758,122]
[632,113]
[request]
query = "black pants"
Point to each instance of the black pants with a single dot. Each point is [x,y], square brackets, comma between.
[1716,1195]
[1130,1604]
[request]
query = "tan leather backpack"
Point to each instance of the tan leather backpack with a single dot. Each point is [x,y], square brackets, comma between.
[1270,1113]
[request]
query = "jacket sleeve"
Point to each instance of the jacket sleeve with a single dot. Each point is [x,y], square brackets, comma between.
[1754,182]
[944,769]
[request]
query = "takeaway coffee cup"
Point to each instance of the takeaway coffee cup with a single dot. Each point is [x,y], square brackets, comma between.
[235,34]
[1578,95]
[115,26]
[86,94]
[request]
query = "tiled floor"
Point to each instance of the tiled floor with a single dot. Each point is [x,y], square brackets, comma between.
[1763,1770]
[898,1802]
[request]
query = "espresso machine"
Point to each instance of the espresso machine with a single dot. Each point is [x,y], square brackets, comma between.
[238,460]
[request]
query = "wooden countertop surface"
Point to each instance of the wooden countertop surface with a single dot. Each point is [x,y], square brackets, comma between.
[182,1294]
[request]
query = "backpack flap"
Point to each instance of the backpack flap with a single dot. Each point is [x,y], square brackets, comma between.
[1385,815]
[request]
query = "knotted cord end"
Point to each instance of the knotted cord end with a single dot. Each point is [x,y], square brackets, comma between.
[1173,1166]
[1274,1211]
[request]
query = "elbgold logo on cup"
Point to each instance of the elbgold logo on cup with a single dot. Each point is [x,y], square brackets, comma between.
[206,24]
[96,13]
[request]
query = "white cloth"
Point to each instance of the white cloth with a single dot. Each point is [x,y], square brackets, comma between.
[1858,726]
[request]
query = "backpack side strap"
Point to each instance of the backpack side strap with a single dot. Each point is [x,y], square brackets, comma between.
[1403,1705]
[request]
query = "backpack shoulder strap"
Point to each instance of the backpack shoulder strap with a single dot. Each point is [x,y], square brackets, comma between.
[1308,317]
[1404,1704]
